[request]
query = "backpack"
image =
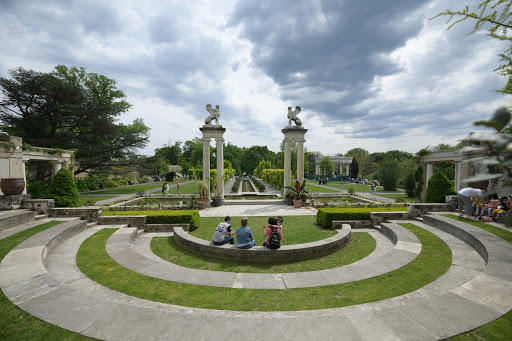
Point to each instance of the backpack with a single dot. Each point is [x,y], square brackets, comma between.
[274,240]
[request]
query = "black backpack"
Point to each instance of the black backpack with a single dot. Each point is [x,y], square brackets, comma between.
[275,239]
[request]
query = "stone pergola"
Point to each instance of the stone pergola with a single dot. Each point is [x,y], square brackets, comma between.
[13,158]
[339,161]
[465,167]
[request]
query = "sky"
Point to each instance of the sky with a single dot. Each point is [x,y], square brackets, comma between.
[370,74]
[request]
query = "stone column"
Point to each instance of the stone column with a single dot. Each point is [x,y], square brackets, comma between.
[458,173]
[220,166]
[430,171]
[206,162]
[56,166]
[347,166]
[287,163]
[300,160]
[317,168]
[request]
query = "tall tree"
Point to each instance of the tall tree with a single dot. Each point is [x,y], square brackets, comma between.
[357,152]
[388,173]
[327,166]
[172,152]
[70,109]
[354,168]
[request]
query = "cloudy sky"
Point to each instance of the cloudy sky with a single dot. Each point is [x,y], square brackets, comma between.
[372,74]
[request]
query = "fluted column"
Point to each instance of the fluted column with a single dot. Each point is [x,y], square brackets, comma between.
[300,160]
[56,166]
[220,166]
[287,163]
[206,162]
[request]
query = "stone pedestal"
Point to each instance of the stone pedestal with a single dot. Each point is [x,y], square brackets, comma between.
[216,132]
[12,202]
[291,133]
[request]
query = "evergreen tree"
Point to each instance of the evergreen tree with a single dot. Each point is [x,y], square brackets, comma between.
[63,190]
[438,187]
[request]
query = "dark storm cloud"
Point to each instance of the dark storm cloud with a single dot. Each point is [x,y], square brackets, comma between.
[332,45]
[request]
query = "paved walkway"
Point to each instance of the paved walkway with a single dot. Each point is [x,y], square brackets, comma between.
[470,294]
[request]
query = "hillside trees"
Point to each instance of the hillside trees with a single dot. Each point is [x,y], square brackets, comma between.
[69,108]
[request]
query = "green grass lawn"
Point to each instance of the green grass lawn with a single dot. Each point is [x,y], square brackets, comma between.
[359,188]
[296,229]
[361,245]
[93,199]
[433,261]
[318,189]
[398,197]
[131,189]
[16,324]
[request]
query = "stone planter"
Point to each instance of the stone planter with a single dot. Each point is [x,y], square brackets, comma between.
[217,201]
[12,186]
[297,203]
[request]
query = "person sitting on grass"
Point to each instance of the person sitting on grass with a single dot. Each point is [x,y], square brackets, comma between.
[223,233]
[244,237]
[274,234]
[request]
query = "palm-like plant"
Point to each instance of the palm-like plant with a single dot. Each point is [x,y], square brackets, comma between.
[298,189]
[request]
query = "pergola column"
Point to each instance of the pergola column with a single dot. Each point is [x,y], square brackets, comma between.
[56,166]
[220,166]
[430,171]
[458,176]
[287,162]
[206,163]
[300,160]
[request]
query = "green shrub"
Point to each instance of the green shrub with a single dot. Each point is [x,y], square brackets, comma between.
[170,176]
[165,217]
[274,177]
[438,187]
[37,188]
[325,216]
[236,185]
[63,190]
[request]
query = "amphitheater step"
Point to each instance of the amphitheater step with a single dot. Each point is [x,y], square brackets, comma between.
[92,224]
[41,216]
[13,218]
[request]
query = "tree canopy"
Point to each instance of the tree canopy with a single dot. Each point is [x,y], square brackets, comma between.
[70,109]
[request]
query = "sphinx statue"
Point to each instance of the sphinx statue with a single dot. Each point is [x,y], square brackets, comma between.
[214,114]
[292,116]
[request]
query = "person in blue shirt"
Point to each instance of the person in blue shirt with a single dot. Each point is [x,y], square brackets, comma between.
[244,237]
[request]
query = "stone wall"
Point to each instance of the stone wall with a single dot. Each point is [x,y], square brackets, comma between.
[261,254]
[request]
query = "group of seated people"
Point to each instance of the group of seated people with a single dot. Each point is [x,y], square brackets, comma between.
[493,209]
[244,238]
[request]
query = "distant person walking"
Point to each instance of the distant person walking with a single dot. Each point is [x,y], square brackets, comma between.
[341,184]
[372,188]
[166,189]
[163,189]
[178,185]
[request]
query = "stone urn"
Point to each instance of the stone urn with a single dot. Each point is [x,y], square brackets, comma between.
[12,186]
[217,201]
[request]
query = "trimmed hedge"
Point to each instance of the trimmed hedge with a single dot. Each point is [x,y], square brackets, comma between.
[274,177]
[236,185]
[165,217]
[259,185]
[325,216]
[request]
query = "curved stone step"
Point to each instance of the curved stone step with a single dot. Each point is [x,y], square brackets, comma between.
[438,310]
[372,266]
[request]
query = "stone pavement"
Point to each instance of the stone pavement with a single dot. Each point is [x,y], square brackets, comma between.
[52,288]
